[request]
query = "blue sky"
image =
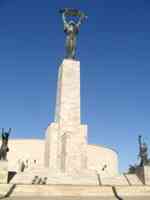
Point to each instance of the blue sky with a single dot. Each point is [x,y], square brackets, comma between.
[114,50]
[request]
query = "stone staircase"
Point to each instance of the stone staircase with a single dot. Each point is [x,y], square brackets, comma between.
[122,180]
[114,181]
[62,191]
[133,179]
[46,177]
[68,192]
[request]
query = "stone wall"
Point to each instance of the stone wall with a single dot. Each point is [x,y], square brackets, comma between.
[102,159]
[31,152]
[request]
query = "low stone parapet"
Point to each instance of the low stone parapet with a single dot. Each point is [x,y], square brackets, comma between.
[144,174]
[3,172]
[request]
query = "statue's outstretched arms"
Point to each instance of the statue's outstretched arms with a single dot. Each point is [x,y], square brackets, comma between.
[63,12]
[64,21]
[81,19]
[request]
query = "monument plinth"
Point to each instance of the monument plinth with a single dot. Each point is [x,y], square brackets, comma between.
[66,137]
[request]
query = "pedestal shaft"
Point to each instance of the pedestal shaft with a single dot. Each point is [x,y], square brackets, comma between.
[68,94]
[66,138]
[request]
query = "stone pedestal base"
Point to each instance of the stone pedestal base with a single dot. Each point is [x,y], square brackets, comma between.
[65,148]
[3,172]
[144,174]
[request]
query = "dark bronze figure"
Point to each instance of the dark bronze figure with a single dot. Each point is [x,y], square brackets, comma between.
[143,153]
[132,169]
[4,147]
[71,28]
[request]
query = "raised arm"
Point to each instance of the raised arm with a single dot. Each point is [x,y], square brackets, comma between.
[81,19]
[64,20]
[63,12]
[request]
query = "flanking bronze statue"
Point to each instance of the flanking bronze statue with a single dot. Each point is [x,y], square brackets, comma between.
[143,152]
[71,28]
[4,146]
[143,155]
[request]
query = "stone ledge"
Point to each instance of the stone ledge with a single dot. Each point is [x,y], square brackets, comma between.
[4,189]
[3,172]
[62,191]
[133,191]
[76,192]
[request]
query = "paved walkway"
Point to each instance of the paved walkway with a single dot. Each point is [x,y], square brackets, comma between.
[75,198]
[63,198]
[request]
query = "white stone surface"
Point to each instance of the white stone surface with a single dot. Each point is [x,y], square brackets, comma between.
[147,175]
[51,146]
[68,94]
[103,160]
[4,189]
[23,149]
[30,151]
[53,177]
[114,181]
[144,174]
[133,191]
[62,191]
[66,138]
[133,179]
[3,172]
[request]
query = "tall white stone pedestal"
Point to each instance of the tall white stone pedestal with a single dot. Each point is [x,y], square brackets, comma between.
[3,172]
[65,145]
[144,174]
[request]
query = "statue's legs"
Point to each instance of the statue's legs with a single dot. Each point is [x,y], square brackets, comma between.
[70,46]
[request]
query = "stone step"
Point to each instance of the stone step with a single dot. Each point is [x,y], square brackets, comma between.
[4,189]
[133,192]
[78,179]
[133,179]
[62,191]
[114,181]
[64,198]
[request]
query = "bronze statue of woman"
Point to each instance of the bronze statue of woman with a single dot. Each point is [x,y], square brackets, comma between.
[143,152]
[71,28]
[4,147]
